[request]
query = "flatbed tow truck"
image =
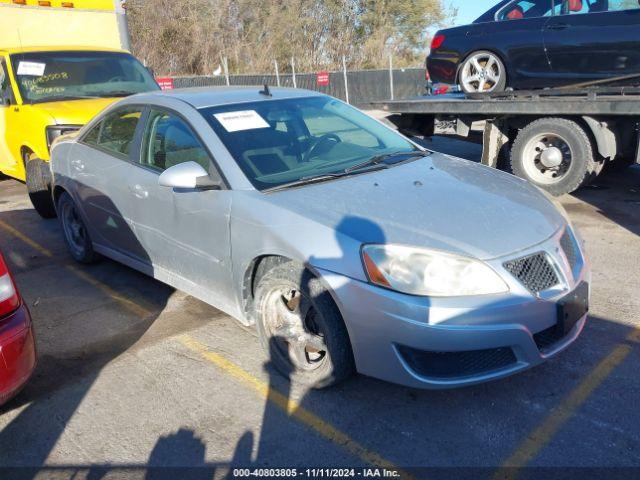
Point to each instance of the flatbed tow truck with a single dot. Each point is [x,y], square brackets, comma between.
[558,138]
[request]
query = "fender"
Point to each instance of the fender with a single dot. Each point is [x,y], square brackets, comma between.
[606,139]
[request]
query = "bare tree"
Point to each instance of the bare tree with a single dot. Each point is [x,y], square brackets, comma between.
[191,37]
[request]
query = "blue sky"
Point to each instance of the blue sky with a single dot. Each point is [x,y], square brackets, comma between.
[469,10]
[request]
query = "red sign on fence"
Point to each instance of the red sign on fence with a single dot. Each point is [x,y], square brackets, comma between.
[166,83]
[322,79]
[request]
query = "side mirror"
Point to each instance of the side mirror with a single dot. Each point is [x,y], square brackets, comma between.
[188,176]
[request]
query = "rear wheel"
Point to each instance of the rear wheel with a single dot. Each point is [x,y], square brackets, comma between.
[75,231]
[39,186]
[555,154]
[301,328]
[483,72]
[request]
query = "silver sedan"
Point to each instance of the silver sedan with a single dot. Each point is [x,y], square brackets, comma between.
[349,247]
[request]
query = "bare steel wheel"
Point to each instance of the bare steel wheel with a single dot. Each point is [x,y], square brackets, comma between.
[483,72]
[301,328]
[554,153]
[547,158]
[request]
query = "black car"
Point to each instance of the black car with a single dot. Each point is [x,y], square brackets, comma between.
[539,43]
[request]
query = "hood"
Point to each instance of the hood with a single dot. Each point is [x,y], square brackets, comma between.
[437,202]
[75,112]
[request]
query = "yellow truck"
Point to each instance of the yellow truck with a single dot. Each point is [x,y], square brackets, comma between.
[61,62]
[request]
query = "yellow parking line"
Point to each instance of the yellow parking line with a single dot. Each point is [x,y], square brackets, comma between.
[124,302]
[544,433]
[130,305]
[16,233]
[291,407]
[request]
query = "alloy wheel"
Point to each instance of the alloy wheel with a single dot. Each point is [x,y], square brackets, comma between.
[482,72]
[289,318]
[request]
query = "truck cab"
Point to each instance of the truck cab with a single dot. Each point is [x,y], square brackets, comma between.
[55,88]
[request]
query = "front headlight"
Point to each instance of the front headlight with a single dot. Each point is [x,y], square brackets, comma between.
[432,273]
[55,131]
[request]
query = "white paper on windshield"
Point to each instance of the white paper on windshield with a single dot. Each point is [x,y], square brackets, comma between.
[33,69]
[239,121]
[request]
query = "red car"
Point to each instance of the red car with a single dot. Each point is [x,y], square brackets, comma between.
[17,340]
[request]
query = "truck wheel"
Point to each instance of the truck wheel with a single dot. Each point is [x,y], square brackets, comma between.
[555,154]
[301,328]
[39,187]
[483,72]
[75,231]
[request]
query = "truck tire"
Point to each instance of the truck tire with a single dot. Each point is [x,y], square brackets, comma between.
[555,154]
[301,328]
[39,187]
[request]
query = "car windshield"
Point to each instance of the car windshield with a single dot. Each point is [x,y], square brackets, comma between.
[280,142]
[54,76]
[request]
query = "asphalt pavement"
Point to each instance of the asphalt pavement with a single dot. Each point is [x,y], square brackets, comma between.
[134,374]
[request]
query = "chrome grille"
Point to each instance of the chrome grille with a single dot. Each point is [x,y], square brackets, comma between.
[569,247]
[535,272]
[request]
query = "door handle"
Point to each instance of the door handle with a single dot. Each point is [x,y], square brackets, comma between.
[558,26]
[77,165]
[139,192]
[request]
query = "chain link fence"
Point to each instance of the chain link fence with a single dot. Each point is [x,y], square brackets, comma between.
[364,86]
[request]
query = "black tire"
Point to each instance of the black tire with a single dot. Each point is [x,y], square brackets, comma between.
[500,86]
[79,244]
[39,187]
[322,320]
[583,166]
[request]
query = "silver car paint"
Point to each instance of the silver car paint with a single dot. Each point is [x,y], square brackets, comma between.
[204,242]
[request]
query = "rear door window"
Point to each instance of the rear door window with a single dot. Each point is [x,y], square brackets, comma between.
[621,5]
[523,9]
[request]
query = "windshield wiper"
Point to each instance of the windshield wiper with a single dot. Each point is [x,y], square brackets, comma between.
[118,93]
[65,98]
[376,161]
[307,181]
[380,159]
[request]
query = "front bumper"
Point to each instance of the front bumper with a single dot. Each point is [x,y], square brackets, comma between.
[488,337]
[17,353]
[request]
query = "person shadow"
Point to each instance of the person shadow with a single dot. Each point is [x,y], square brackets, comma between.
[179,455]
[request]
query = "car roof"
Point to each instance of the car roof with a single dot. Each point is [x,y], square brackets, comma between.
[70,48]
[203,97]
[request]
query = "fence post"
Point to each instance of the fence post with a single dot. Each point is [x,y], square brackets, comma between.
[226,69]
[277,72]
[391,75]
[346,81]
[293,70]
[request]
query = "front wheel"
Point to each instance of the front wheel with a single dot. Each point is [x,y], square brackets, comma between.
[301,328]
[483,72]
[39,186]
[555,154]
